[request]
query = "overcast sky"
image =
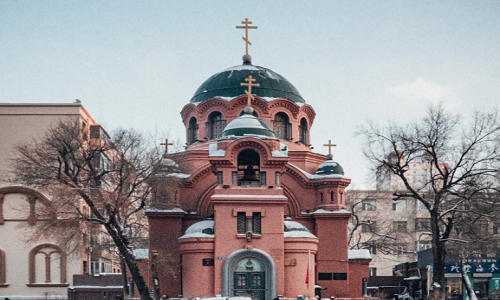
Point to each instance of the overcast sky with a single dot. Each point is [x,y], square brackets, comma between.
[137,63]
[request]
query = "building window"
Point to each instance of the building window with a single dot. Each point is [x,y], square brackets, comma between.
[303,131]
[281,126]
[419,205]
[193,130]
[252,224]
[220,177]
[400,226]
[399,205]
[47,265]
[401,249]
[277,178]
[263,179]
[325,276]
[373,272]
[242,223]
[369,204]
[331,196]
[215,125]
[256,222]
[234,178]
[100,265]
[422,224]
[371,247]
[339,276]
[369,226]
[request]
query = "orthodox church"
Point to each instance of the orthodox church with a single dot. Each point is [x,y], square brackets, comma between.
[257,213]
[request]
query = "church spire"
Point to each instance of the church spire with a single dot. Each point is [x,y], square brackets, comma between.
[246,58]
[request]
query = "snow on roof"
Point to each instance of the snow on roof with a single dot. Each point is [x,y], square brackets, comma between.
[297,230]
[200,229]
[154,209]
[251,196]
[324,211]
[95,287]
[218,153]
[277,153]
[141,253]
[359,254]
[240,68]
[178,175]
[412,278]
[314,176]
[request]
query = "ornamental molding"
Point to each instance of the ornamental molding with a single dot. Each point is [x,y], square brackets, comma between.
[186,112]
[287,104]
[206,105]
[198,175]
[309,111]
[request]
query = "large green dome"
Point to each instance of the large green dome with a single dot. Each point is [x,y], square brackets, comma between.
[227,84]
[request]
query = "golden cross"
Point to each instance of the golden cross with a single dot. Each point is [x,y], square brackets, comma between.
[246,27]
[329,145]
[166,144]
[250,83]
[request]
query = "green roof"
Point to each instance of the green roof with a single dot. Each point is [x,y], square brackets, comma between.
[228,84]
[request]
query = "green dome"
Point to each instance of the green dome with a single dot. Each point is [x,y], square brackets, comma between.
[227,84]
[329,167]
[247,124]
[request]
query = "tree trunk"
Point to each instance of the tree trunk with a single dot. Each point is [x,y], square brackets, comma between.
[129,259]
[467,284]
[439,253]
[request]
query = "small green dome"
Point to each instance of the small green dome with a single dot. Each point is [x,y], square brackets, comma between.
[247,124]
[228,84]
[330,167]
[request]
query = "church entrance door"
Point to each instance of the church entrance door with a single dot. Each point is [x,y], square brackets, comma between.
[249,279]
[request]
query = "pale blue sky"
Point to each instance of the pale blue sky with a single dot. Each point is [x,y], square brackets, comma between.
[137,63]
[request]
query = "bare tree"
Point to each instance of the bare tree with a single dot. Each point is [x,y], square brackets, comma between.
[461,160]
[94,180]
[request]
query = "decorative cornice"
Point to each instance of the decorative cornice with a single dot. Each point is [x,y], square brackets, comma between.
[289,105]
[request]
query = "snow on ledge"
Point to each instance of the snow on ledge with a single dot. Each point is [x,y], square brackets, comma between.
[359,254]
[324,211]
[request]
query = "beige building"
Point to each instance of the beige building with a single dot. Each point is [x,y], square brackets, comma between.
[393,231]
[41,269]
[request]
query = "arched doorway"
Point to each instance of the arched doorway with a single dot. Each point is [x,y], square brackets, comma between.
[249,273]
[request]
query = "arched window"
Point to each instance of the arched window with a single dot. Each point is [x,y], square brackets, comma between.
[215,125]
[282,127]
[303,131]
[249,168]
[47,264]
[192,130]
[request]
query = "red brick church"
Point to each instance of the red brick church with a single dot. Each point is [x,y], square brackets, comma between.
[257,213]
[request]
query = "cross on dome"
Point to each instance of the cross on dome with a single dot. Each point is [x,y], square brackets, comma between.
[329,145]
[166,144]
[246,27]
[250,82]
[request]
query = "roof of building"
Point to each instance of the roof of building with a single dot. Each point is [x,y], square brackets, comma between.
[247,124]
[297,230]
[228,84]
[330,167]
